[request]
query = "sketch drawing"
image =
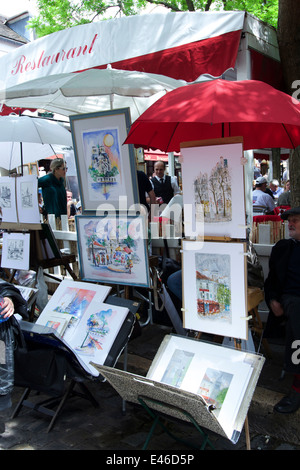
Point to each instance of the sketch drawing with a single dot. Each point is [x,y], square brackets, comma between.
[102,154]
[15,249]
[213,193]
[26,195]
[214,387]
[5,195]
[213,286]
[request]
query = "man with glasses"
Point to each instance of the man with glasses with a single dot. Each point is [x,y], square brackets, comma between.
[53,188]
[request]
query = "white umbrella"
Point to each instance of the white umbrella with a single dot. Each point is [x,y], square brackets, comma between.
[24,139]
[91,90]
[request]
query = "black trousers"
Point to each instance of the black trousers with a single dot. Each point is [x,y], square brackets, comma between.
[291,307]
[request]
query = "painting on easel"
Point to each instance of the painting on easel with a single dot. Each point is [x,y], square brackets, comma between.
[213,190]
[214,286]
[113,249]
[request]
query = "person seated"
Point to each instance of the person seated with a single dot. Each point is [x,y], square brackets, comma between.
[262,200]
[276,189]
[284,198]
[282,295]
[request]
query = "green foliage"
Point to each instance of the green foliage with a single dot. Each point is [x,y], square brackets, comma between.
[56,15]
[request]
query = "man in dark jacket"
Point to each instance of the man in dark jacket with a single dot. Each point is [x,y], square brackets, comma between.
[282,294]
[165,186]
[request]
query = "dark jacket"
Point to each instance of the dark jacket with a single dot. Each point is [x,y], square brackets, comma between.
[54,194]
[20,304]
[278,266]
[163,190]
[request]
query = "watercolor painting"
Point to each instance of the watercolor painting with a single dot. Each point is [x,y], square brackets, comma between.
[213,190]
[177,367]
[214,387]
[213,286]
[213,193]
[113,249]
[105,167]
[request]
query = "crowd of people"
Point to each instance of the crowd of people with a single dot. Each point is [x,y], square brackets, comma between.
[267,195]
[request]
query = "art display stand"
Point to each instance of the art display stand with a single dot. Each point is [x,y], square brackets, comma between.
[50,367]
[163,401]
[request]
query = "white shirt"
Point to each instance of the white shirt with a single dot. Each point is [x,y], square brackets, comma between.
[263,199]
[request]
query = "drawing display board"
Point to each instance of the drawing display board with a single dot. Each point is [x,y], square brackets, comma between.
[105,167]
[113,249]
[211,383]
[19,199]
[213,190]
[215,288]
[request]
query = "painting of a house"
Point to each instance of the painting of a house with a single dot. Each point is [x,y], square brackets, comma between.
[213,286]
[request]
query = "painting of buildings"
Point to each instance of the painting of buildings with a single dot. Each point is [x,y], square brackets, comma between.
[113,249]
[213,286]
[213,193]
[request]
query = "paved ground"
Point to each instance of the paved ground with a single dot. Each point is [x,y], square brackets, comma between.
[80,426]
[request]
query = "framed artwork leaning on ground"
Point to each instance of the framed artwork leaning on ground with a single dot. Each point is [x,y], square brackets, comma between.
[113,249]
[105,167]
[215,288]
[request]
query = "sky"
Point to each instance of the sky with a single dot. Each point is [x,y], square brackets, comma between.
[13,7]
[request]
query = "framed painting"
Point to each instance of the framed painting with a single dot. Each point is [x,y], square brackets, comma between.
[213,190]
[113,249]
[105,168]
[215,288]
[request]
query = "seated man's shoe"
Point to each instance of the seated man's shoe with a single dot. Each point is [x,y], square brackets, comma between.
[288,404]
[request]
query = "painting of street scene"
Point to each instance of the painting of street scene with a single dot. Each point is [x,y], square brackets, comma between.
[5,195]
[214,387]
[212,192]
[213,286]
[113,249]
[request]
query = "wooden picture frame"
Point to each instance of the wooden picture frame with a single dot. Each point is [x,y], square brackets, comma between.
[105,168]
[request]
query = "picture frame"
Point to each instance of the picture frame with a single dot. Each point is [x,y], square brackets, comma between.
[113,249]
[215,288]
[105,167]
[214,189]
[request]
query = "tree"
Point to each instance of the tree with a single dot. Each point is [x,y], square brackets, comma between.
[288,34]
[61,14]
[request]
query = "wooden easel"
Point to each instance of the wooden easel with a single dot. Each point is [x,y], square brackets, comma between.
[44,251]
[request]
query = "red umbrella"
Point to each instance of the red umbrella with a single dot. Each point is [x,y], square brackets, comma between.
[254,110]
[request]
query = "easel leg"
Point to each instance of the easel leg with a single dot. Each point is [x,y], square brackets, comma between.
[237,343]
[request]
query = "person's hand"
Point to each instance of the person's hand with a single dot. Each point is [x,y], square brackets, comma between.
[8,308]
[276,308]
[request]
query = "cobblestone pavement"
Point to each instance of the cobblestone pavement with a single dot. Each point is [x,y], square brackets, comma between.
[110,428]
